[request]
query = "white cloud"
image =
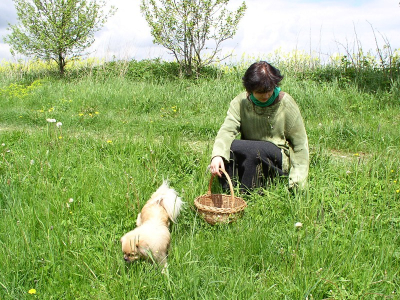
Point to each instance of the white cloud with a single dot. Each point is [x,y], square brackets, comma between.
[266,27]
[316,25]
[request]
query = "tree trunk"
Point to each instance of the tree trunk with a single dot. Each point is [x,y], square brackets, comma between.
[61,64]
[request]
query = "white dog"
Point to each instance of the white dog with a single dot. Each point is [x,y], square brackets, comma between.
[151,238]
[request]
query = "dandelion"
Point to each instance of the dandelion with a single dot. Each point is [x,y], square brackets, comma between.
[81,114]
[392,171]
[109,142]
[60,137]
[356,154]
[58,124]
[32,291]
[51,120]
[96,112]
[397,191]
[298,225]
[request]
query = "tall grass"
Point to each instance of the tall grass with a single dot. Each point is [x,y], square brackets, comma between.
[69,193]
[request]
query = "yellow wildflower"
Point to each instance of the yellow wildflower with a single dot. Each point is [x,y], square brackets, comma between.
[32,291]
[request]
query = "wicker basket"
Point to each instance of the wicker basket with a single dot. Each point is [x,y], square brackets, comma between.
[220,208]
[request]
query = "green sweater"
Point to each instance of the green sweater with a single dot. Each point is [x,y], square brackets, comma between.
[280,123]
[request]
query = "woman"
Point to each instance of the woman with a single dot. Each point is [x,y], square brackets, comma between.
[273,137]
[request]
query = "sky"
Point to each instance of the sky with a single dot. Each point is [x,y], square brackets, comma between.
[320,26]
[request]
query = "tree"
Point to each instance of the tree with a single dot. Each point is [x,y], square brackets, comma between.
[188,27]
[58,30]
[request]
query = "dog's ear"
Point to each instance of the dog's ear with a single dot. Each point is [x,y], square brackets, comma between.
[142,247]
[158,199]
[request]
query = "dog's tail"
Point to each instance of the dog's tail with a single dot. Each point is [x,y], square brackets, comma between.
[168,198]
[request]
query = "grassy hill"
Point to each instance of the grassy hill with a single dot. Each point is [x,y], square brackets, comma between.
[69,191]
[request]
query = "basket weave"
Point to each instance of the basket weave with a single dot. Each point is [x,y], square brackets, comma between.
[220,208]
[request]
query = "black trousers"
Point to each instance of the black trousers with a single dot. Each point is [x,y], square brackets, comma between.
[253,164]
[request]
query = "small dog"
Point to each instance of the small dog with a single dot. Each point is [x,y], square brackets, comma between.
[151,238]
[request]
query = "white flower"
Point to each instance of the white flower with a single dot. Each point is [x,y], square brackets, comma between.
[32,161]
[58,124]
[298,225]
[3,144]
[70,200]
[51,120]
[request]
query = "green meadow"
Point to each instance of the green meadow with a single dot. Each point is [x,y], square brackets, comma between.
[80,155]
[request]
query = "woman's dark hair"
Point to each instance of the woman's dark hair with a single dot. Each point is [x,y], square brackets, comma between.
[261,77]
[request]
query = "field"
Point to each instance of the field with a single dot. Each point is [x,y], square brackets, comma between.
[80,155]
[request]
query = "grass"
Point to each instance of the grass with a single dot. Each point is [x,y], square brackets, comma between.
[69,193]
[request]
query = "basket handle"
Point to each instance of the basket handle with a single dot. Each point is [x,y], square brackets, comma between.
[230,185]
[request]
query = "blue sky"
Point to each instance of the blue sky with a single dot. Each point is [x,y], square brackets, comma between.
[321,26]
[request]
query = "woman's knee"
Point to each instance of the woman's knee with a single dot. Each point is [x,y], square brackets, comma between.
[245,148]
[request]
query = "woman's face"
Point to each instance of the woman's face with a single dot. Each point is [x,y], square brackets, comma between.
[263,97]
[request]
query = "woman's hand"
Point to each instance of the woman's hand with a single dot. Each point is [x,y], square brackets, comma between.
[217,163]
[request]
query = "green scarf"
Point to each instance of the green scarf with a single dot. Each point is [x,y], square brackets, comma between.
[270,100]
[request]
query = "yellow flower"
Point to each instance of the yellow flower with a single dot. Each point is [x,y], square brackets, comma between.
[32,291]
[109,142]
[81,114]
[392,171]
[356,154]
[96,112]
[60,137]
[397,191]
